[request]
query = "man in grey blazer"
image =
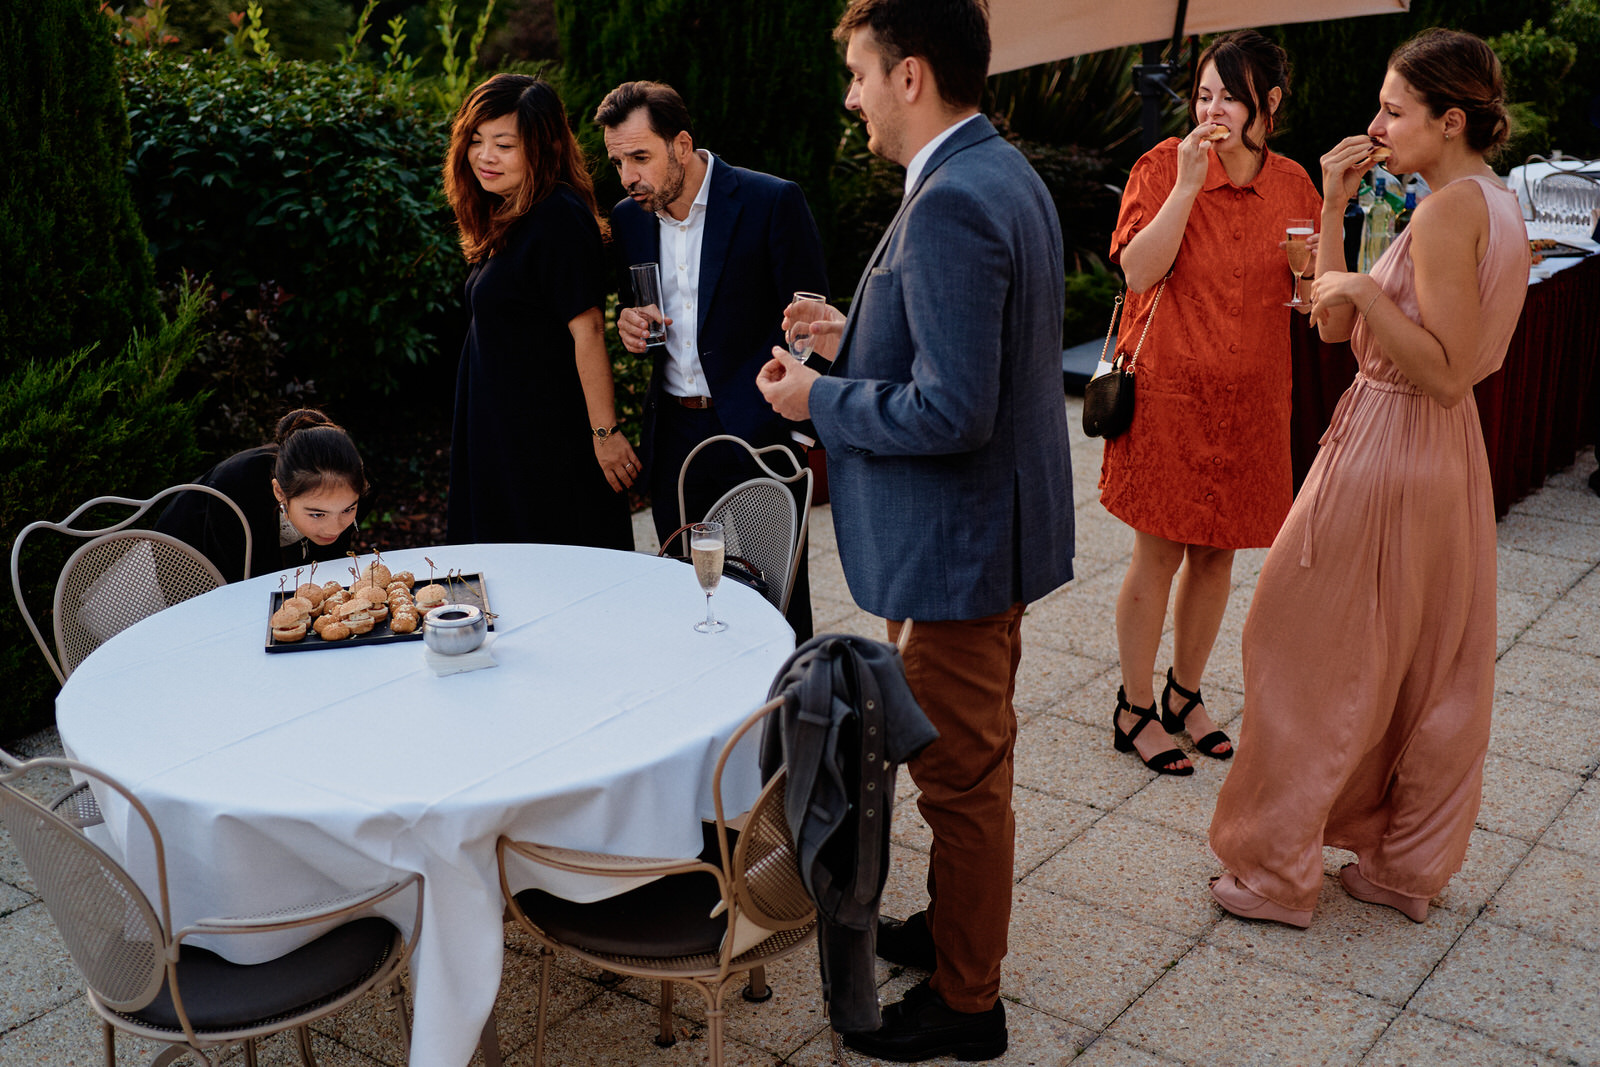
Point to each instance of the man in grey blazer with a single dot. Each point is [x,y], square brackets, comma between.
[950,475]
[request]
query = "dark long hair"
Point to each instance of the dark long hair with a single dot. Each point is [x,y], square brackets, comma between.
[1250,67]
[313,452]
[548,147]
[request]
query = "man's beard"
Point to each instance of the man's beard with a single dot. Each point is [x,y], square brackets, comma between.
[670,190]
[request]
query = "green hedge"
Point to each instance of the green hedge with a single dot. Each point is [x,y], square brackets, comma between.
[321,179]
[75,428]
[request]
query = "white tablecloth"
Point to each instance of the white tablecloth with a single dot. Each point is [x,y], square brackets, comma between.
[282,779]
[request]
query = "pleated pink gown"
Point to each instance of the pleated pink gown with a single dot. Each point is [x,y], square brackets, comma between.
[1370,644]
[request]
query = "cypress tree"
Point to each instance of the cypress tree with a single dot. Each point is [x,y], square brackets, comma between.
[74,269]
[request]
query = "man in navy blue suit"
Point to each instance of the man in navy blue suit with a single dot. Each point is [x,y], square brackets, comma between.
[734,245]
[950,476]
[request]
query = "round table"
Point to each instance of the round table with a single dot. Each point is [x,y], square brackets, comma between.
[279,780]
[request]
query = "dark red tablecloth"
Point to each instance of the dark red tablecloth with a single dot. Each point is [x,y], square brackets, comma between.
[1536,411]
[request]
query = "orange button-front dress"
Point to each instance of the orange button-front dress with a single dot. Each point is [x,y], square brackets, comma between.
[1206,460]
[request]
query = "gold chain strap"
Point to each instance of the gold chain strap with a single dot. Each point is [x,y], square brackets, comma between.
[1143,333]
[1111,327]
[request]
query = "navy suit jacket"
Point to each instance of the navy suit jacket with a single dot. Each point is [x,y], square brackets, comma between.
[943,417]
[759,247]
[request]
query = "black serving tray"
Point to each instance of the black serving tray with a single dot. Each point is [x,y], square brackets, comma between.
[1558,250]
[463,589]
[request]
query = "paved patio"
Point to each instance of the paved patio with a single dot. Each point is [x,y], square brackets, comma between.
[1118,956]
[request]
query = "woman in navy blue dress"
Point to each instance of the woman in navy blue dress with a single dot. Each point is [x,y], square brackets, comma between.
[536,455]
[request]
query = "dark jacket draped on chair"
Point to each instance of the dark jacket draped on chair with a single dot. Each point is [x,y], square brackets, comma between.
[848,719]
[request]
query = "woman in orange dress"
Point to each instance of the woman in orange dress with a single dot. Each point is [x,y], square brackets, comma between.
[1369,650]
[1205,468]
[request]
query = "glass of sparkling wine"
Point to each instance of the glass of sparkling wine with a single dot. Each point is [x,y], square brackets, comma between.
[1297,232]
[705,548]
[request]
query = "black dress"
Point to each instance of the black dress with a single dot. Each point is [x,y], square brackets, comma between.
[522,463]
[206,523]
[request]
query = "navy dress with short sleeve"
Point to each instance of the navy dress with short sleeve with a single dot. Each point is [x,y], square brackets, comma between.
[522,463]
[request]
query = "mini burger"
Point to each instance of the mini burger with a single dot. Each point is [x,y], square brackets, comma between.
[1219,132]
[430,597]
[1380,152]
[288,624]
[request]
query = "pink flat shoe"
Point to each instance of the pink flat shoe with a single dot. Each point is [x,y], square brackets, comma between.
[1356,884]
[1237,900]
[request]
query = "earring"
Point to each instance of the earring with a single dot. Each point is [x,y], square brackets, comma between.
[1447,137]
[283,509]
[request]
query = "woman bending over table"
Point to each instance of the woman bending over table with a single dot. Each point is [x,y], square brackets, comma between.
[1369,649]
[1205,468]
[535,452]
[298,492]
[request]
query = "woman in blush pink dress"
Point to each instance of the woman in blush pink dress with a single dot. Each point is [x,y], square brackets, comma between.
[1369,649]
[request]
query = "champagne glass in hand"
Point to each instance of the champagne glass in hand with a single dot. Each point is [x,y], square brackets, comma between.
[1297,232]
[706,549]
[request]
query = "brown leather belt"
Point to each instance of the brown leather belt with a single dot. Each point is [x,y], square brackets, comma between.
[696,403]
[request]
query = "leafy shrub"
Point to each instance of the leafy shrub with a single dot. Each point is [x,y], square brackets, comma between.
[238,369]
[319,179]
[73,270]
[71,429]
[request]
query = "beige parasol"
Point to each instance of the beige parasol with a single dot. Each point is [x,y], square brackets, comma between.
[1025,32]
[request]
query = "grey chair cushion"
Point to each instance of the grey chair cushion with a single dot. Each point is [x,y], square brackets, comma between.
[668,917]
[219,995]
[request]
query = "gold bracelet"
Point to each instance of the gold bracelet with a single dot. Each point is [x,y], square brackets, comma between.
[1374,300]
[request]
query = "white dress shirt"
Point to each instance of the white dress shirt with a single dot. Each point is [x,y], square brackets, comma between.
[680,292]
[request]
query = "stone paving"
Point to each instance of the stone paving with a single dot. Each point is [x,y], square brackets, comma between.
[1118,955]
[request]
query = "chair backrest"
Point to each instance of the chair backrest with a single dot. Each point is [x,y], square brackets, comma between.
[116,938]
[760,519]
[759,524]
[765,886]
[119,576]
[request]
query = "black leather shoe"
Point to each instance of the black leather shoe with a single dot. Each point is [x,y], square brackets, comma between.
[907,943]
[922,1026]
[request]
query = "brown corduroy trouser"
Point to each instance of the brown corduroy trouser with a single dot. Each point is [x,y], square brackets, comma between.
[963,673]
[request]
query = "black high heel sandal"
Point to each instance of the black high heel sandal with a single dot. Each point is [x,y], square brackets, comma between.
[1174,723]
[1161,762]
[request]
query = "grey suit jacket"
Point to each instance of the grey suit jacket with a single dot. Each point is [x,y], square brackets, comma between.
[943,417]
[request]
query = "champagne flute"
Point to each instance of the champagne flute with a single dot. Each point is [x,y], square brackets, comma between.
[1296,232]
[706,549]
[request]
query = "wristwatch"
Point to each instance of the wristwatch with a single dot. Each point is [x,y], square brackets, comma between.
[601,433]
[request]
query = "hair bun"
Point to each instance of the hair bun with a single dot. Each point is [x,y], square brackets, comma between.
[297,420]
